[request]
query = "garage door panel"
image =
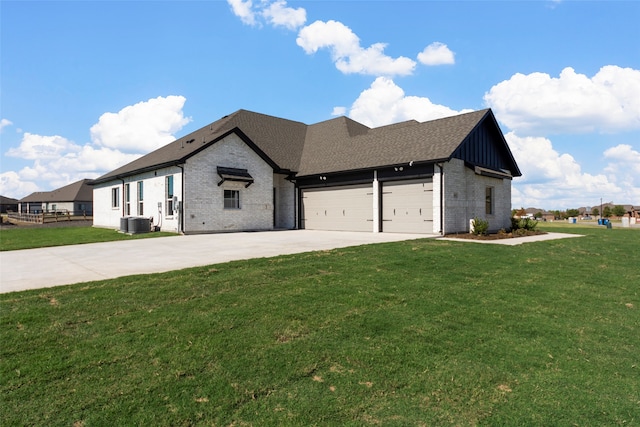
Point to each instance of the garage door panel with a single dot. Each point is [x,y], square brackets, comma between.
[348,208]
[407,206]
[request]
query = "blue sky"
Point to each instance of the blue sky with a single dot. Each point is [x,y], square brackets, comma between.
[87,86]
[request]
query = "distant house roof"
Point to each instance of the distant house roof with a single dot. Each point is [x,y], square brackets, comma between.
[336,145]
[8,200]
[77,191]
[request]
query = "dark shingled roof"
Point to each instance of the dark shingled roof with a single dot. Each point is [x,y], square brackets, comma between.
[335,145]
[77,191]
[8,200]
[331,148]
[278,140]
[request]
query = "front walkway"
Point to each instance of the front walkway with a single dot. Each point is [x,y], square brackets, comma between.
[518,240]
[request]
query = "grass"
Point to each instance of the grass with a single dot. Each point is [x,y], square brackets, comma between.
[34,237]
[414,333]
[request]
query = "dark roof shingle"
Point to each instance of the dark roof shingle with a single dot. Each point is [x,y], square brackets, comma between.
[77,191]
[330,148]
[335,145]
[279,139]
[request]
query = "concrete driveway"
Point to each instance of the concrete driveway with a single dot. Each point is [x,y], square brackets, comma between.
[63,265]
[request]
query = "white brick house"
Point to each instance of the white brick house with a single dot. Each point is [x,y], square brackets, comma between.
[249,171]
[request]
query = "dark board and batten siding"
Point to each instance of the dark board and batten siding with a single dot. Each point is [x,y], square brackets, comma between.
[482,147]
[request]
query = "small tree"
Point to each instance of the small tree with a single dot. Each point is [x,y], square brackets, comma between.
[595,211]
[618,210]
[606,212]
[537,215]
[480,226]
[573,213]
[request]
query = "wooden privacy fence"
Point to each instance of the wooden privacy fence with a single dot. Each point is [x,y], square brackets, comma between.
[45,217]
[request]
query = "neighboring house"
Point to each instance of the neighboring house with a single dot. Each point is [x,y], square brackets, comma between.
[8,204]
[74,199]
[250,171]
[535,213]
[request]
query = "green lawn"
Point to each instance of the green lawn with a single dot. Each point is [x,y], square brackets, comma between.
[33,237]
[414,333]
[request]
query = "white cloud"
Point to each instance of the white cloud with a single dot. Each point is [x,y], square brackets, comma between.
[142,127]
[385,102]
[342,43]
[4,123]
[623,168]
[11,185]
[243,10]
[347,53]
[339,111]
[436,54]
[624,154]
[70,163]
[34,147]
[118,138]
[537,104]
[90,160]
[552,180]
[276,13]
[279,15]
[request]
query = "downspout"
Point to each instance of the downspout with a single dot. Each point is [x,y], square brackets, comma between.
[295,207]
[441,197]
[376,202]
[122,196]
[181,214]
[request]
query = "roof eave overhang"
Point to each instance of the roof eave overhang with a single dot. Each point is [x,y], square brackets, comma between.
[137,172]
[183,159]
[371,168]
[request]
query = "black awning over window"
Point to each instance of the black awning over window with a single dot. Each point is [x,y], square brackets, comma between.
[233,174]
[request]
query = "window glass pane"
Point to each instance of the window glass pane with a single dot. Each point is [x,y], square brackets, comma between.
[231,199]
[140,198]
[115,197]
[489,200]
[169,186]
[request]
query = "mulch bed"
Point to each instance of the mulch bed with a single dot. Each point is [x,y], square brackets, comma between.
[496,236]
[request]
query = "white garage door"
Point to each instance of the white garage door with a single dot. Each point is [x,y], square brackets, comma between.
[348,208]
[407,206]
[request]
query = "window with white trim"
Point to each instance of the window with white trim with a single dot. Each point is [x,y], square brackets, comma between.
[140,198]
[115,197]
[169,193]
[127,199]
[489,200]
[231,199]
